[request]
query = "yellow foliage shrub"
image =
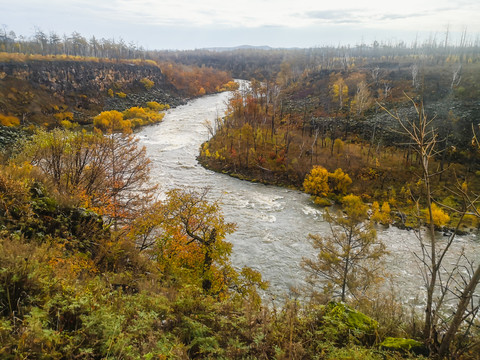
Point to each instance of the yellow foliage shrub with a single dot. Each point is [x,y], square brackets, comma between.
[66,124]
[440,217]
[339,181]
[147,83]
[143,116]
[320,182]
[111,121]
[381,215]
[67,115]
[136,122]
[230,86]
[316,182]
[135,112]
[153,105]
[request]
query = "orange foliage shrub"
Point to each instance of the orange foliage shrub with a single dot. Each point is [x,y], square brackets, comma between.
[6,120]
[192,79]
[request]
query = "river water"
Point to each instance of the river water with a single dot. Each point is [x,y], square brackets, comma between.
[272,223]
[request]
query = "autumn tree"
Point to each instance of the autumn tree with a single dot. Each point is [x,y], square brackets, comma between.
[127,170]
[247,137]
[339,181]
[339,92]
[348,260]
[319,182]
[339,97]
[71,160]
[192,216]
[362,99]
[145,230]
[185,234]
[381,214]
[316,182]
[107,173]
[423,140]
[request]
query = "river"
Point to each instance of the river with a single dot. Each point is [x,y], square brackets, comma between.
[272,223]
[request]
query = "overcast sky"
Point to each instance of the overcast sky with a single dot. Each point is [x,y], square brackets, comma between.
[189,24]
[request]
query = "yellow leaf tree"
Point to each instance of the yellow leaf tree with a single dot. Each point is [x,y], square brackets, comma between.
[339,181]
[316,182]
[339,91]
[201,226]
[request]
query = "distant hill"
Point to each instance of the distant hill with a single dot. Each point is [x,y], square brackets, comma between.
[241,47]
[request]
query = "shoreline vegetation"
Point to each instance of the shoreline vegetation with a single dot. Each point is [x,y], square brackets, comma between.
[395,218]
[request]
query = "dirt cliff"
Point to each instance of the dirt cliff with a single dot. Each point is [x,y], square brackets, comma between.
[36,90]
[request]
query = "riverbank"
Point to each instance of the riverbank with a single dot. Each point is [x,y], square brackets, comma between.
[401,217]
[262,175]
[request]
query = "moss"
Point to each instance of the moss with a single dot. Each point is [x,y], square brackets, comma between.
[350,322]
[399,343]
[353,318]
[404,345]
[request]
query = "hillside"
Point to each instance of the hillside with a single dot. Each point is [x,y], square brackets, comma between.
[46,89]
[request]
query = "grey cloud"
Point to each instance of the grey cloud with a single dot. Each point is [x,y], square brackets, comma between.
[394,16]
[326,14]
[401,16]
[334,16]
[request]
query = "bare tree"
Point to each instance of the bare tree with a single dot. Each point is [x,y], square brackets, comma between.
[441,283]
[456,76]
[110,172]
[375,74]
[414,75]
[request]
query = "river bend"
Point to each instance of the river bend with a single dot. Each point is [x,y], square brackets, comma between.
[272,223]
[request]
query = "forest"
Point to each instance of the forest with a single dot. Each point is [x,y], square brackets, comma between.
[95,265]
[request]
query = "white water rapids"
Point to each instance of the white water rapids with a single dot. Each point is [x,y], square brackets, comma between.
[272,223]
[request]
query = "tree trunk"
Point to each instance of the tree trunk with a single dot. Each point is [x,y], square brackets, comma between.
[429,318]
[459,313]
